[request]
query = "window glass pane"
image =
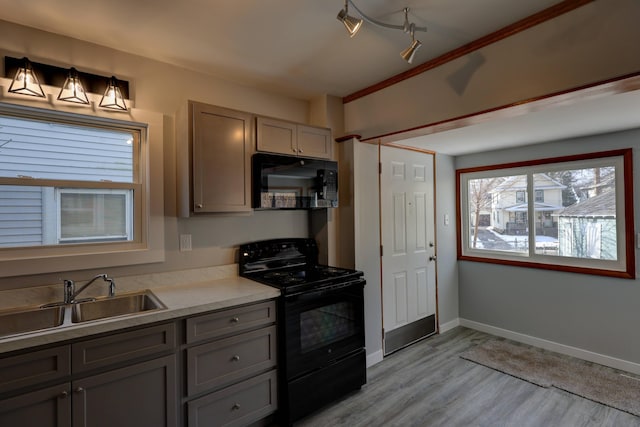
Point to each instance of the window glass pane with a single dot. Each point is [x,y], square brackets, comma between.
[498,214]
[91,215]
[578,217]
[38,216]
[51,150]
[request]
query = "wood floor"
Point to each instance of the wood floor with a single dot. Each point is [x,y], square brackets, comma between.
[427,384]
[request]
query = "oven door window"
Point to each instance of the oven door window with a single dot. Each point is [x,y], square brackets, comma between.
[325,325]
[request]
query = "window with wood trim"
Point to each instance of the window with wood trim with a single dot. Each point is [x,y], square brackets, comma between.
[570,213]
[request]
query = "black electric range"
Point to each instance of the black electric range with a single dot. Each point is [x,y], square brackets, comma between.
[321,347]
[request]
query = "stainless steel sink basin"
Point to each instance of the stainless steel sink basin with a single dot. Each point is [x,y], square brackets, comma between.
[30,319]
[120,305]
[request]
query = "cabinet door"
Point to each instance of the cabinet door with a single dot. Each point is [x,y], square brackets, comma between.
[142,395]
[222,146]
[277,136]
[50,407]
[314,142]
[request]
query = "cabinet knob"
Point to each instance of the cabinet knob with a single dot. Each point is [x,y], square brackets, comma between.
[235,320]
[64,394]
[235,407]
[301,151]
[199,206]
[79,390]
[235,358]
[432,258]
[294,150]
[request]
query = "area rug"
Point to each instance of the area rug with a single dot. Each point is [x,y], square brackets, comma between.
[601,384]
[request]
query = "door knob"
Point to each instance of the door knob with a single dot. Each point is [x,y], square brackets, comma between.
[432,258]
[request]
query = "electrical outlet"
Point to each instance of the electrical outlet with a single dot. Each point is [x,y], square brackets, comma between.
[185,242]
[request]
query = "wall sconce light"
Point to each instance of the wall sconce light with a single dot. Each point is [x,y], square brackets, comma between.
[72,89]
[112,97]
[26,82]
[74,85]
[353,26]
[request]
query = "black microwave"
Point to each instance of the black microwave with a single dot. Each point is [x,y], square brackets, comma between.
[288,182]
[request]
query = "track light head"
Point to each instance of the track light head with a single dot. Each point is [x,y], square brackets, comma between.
[410,52]
[351,23]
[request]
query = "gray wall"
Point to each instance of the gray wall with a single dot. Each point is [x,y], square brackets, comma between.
[447,270]
[594,313]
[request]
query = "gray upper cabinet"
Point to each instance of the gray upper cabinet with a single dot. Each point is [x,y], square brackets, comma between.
[282,137]
[214,147]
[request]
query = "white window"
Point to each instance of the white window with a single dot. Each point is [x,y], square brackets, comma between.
[74,189]
[571,214]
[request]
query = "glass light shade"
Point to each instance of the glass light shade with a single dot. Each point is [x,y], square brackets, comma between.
[72,89]
[112,97]
[350,23]
[410,52]
[25,82]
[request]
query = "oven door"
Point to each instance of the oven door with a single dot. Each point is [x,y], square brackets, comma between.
[322,326]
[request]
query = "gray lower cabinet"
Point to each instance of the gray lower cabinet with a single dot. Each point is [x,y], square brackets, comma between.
[141,395]
[231,370]
[126,379]
[49,407]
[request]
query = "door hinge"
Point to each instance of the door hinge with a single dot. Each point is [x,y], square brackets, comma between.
[381,251]
[380,168]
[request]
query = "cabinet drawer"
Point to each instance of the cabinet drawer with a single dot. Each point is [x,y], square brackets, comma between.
[34,368]
[124,346]
[238,405]
[219,363]
[230,321]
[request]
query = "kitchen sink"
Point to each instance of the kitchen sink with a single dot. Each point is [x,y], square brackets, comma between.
[119,305]
[18,321]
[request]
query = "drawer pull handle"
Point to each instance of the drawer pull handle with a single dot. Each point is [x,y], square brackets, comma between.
[235,358]
[235,407]
[235,319]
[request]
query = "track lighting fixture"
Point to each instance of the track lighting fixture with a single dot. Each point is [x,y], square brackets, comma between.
[353,25]
[72,90]
[26,82]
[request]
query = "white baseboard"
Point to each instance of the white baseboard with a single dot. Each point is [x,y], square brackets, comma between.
[554,346]
[444,327]
[374,358]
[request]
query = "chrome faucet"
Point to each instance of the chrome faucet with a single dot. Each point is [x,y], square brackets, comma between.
[70,292]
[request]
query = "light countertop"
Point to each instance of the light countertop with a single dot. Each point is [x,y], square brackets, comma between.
[180,300]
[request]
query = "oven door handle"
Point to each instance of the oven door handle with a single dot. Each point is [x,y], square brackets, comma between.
[328,289]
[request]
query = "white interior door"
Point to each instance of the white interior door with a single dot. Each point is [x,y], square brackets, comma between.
[408,247]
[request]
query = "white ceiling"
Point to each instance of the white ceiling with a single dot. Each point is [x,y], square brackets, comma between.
[298,48]
[294,47]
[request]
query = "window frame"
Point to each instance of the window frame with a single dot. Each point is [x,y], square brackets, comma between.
[147,245]
[623,267]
